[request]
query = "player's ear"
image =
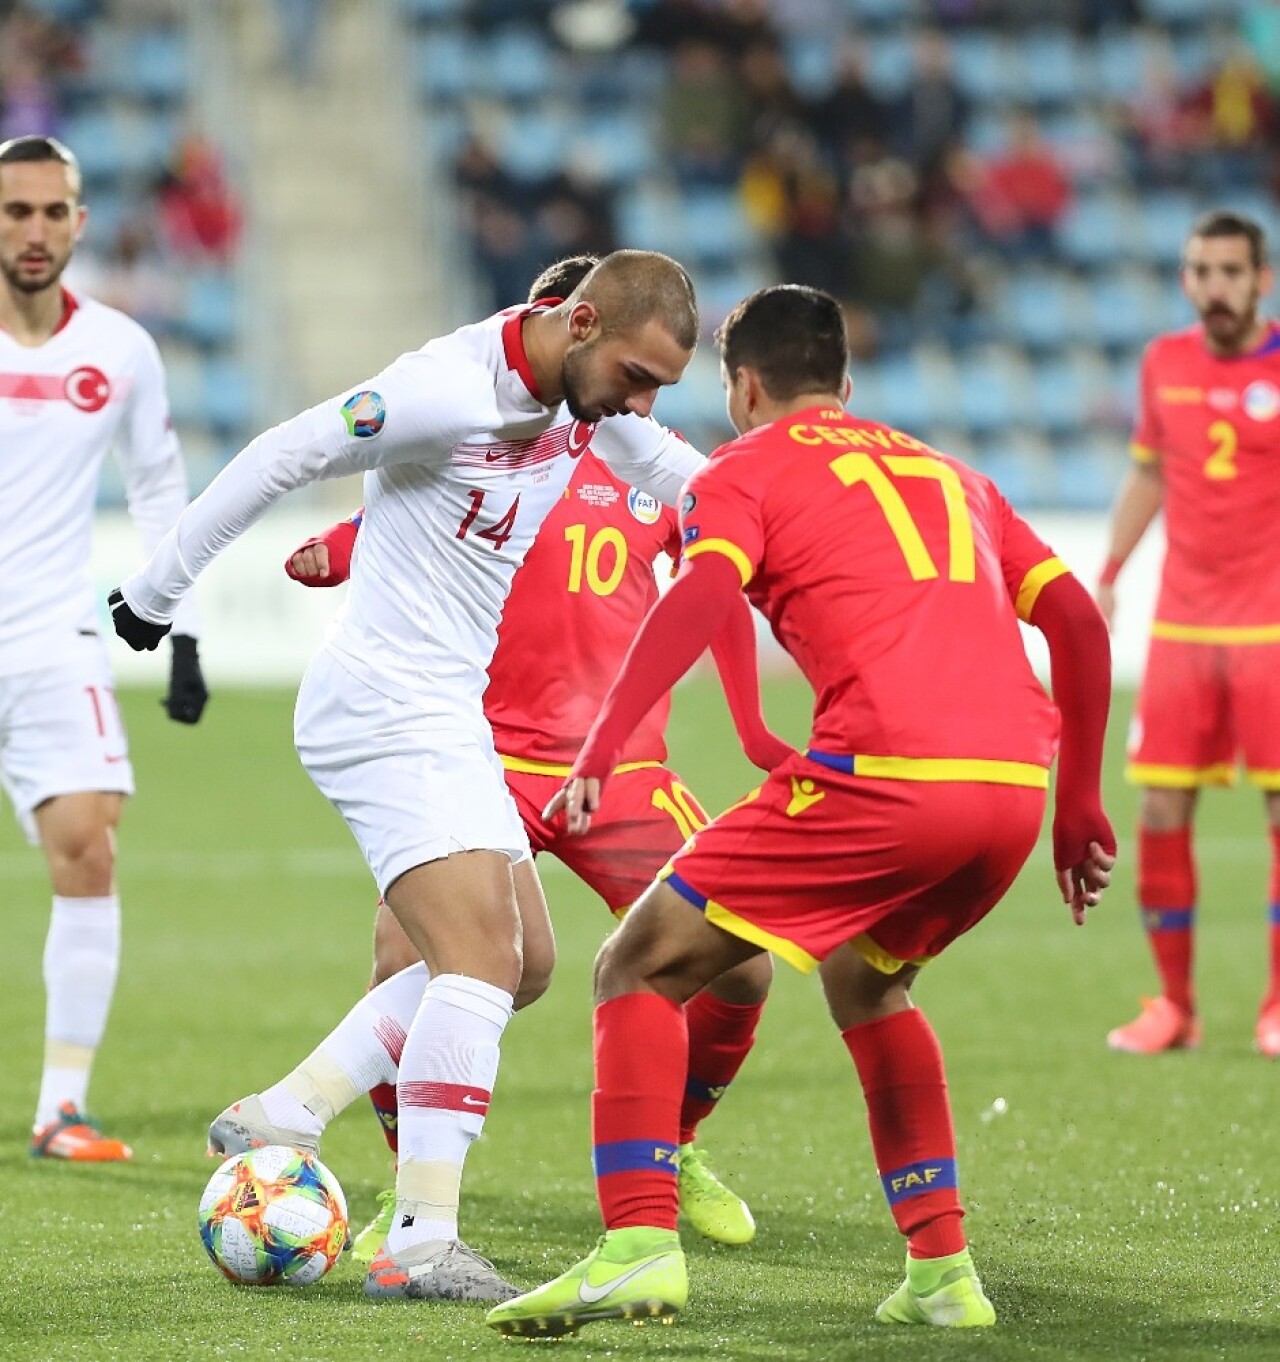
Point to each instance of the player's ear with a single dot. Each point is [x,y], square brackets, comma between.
[846,392]
[584,320]
[82,216]
[1266,280]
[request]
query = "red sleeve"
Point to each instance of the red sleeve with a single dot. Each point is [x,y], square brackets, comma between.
[1028,563]
[340,540]
[669,642]
[1148,437]
[734,650]
[720,515]
[1080,670]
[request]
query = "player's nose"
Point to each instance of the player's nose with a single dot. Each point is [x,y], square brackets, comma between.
[641,404]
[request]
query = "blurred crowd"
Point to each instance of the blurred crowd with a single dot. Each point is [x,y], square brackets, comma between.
[887,201]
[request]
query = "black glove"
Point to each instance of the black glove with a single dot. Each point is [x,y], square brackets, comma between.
[140,635]
[188,694]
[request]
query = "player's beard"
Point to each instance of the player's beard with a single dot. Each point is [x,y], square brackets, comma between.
[1227,329]
[21,282]
[573,380]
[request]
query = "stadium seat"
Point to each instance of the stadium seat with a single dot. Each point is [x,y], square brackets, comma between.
[619,145]
[652,219]
[1097,230]
[1019,468]
[443,60]
[515,64]
[1060,396]
[226,399]
[1087,475]
[432,11]
[1166,217]
[1041,309]
[94,138]
[889,65]
[991,392]
[1052,57]
[533,145]
[987,68]
[1127,309]
[716,228]
[210,316]
[811,64]
[154,66]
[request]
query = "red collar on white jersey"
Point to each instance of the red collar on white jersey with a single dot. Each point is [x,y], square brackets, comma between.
[70,304]
[513,344]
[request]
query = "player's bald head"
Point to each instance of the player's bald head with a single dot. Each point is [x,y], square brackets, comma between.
[793,337]
[630,288]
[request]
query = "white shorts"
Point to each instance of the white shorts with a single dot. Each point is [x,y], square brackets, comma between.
[413,786]
[61,732]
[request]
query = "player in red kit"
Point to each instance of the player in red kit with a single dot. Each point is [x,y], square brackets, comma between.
[895,577]
[574,608]
[1207,450]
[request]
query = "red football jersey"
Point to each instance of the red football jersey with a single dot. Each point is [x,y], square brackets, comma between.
[1213,425]
[895,576]
[574,608]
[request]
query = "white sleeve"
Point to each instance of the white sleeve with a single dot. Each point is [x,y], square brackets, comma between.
[414,411]
[647,455]
[150,459]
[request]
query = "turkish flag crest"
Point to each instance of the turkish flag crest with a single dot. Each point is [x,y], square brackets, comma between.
[87,388]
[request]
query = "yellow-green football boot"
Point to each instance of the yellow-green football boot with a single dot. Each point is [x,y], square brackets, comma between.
[637,1274]
[708,1205]
[370,1239]
[943,1292]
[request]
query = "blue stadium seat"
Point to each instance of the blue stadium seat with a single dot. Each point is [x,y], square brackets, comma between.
[1118,64]
[987,68]
[515,64]
[1057,74]
[443,63]
[1167,216]
[716,228]
[227,405]
[619,144]
[1017,469]
[811,64]
[1126,308]
[210,315]
[433,11]
[1060,395]
[652,220]
[154,66]
[533,145]
[879,12]
[1183,13]
[1088,475]
[991,393]
[889,64]
[1040,309]
[1097,230]
[904,397]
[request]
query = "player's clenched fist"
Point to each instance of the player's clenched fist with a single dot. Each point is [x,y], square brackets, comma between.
[141,635]
[325,560]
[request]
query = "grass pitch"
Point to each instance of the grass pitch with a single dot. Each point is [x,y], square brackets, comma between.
[1119,1208]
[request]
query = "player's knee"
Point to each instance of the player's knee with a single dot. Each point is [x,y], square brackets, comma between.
[617,970]
[1166,810]
[535,975]
[746,983]
[82,858]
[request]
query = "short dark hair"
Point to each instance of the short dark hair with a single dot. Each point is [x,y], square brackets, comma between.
[558,281]
[1223,222]
[630,288]
[28,149]
[793,336]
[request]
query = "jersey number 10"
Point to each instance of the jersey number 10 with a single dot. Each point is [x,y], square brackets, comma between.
[856,469]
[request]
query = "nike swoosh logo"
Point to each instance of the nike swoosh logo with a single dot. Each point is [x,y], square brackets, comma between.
[593,1294]
[469,1101]
[111,761]
[493,458]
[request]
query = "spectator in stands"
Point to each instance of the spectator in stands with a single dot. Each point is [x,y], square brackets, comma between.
[704,116]
[28,104]
[933,111]
[1234,119]
[811,245]
[1023,193]
[850,112]
[198,211]
[134,276]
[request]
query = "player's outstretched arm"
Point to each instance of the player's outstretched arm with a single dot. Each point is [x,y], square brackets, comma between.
[326,559]
[1084,845]
[734,651]
[646,454]
[670,640]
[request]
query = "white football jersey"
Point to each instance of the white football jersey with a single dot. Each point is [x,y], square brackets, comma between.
[95,384]
[463,462]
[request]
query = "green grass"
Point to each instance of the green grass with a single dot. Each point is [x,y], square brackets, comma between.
[1119,1208]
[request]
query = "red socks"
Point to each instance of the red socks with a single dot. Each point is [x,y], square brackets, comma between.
[641,1050]
[1167,895]
[383,1097]
[900,1065]
[720,1037]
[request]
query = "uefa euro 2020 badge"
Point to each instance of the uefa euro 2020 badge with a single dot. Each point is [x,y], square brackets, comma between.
[1261,400]
[364,412]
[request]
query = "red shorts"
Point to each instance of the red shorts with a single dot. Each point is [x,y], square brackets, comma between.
[645,817]
[1203,707]
[815,858]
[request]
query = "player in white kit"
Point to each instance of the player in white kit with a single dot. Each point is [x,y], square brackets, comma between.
[76,379]
[468,443]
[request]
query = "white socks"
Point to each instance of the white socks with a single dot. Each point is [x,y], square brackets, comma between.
[362,1051]
[81,960]
[447,1071]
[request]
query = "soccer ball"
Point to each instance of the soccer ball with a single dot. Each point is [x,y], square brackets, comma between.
[273,1215]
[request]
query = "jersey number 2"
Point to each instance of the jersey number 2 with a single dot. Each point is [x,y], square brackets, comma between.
[853,469]
[1220,466]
